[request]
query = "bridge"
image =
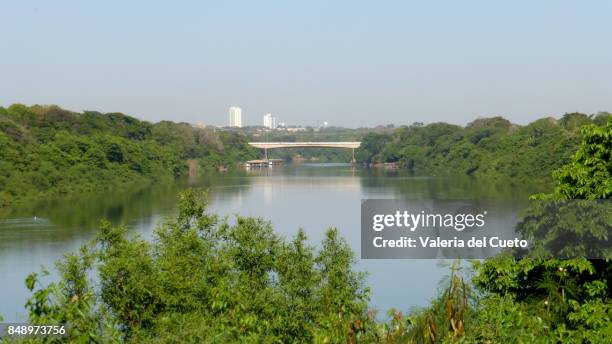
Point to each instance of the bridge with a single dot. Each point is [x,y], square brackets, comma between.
[269,145]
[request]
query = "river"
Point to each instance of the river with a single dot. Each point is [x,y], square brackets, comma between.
[309,196]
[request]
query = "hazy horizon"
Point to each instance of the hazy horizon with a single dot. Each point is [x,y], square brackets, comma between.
[352,64]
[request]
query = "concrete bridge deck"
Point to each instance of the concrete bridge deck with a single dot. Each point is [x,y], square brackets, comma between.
[270,145]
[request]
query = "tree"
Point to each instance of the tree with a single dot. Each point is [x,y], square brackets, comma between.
[572,296]
[206,280]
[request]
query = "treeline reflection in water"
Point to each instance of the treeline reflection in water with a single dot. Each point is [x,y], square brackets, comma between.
[311,196]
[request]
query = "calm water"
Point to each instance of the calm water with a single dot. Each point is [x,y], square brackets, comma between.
[309,196]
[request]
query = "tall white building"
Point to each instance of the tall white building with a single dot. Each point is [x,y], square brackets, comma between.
[269,121]
[235,117]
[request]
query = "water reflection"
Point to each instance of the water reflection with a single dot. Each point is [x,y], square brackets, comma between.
[309,196]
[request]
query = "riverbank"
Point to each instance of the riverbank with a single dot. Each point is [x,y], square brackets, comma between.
[51,152]
[310,196]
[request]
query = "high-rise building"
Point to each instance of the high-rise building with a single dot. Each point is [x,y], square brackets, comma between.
[269,121]
[235,117]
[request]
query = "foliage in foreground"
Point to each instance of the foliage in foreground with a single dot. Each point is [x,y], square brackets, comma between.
[531,297]
[204,280]
[570,298]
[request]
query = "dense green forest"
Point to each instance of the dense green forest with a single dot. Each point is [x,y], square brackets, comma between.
[551,293]
[488,147]
[205,280]
[48,151]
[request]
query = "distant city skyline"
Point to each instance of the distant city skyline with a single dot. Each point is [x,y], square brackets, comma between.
[350,63]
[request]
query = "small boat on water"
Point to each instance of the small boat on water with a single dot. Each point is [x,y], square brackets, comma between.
[263,163]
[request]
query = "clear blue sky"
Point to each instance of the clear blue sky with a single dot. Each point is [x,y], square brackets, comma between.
[350,63]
